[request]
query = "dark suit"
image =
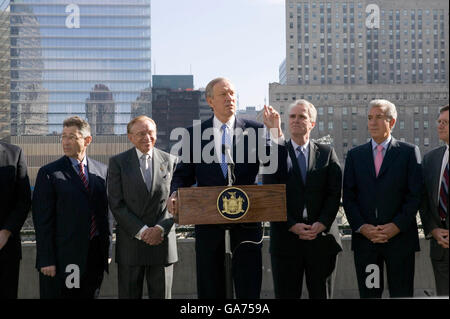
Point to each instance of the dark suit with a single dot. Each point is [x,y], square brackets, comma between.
[15,199]
[210,243]
[133,207]
[431,171]
[393,196]
[292,257]
[62,210]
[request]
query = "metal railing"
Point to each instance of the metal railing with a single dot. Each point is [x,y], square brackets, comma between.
[187,231]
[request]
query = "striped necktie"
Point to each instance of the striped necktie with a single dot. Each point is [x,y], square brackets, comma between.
[93,226]
[443,195]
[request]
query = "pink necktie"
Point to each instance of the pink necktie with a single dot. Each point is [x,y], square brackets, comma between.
[378,159]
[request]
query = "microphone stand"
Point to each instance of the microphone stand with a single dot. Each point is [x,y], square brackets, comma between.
[228,254]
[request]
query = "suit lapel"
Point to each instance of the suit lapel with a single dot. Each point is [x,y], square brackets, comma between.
[295,168]
[136,174]
[72,175]
[214,166]
[368,159]
[92,177]
[390,156]
[435,172]
[158,169]
[313,156]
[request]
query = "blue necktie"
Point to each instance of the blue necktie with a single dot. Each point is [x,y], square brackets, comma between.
[227,142]
[301,163]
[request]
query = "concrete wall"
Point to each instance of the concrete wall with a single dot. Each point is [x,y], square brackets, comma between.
[184,285]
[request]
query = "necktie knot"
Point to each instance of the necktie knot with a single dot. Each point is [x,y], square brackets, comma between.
[380,148]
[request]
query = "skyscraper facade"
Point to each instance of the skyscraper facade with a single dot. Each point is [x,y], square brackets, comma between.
[342,54]
[90,59]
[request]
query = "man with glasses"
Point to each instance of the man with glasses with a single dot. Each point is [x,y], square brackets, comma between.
[70,215]
[381,196]
[138,189]
[434,209]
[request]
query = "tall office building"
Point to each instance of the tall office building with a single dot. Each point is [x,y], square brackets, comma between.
[342,54]
[5,105]
[65,57]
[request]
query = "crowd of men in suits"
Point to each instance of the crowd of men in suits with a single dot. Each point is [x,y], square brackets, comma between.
[76,200]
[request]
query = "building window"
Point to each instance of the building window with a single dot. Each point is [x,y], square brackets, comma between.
[416,124]
[330,126]
[320,125]
[426,141]
[330,110]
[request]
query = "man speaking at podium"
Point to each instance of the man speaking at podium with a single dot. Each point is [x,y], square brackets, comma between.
[210,242]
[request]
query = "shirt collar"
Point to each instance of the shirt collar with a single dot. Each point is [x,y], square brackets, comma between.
[75,162]
[218,124]
[385,143]
[139,153]
[304,147]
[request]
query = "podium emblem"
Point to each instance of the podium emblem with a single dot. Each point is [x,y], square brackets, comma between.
[233,203]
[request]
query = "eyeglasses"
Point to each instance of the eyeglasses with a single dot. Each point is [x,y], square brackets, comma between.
[71,138]
[143,134]
[442,122]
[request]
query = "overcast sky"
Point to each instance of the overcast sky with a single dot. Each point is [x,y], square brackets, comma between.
[243,40]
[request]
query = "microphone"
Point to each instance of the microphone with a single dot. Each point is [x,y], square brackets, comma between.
[230,164]
[226,150]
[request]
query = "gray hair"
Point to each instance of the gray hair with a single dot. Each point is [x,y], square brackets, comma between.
[209,88]
[82,125]
[311,108]
[385,105]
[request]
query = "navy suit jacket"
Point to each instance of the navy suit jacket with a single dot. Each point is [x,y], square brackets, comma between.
[393,196]
[210,174]
[62,210]
[321,196]
[15,197]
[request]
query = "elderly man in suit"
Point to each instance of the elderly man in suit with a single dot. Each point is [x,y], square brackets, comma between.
[71,218]
[434,208]
[138,189]
[381,196]
[307,242]
[15,199]
[245,238]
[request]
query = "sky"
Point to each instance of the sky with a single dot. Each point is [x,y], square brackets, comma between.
[243,40]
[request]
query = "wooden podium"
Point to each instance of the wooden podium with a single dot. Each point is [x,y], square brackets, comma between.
[199,205]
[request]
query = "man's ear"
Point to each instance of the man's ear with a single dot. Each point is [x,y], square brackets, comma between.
[210,103]
[87,140]
[392,123]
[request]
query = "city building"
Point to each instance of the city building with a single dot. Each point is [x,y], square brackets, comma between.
[173,82]
[174,109]
[342,54]
[85,58]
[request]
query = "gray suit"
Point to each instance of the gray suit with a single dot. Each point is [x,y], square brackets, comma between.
[133,206]
[431,166]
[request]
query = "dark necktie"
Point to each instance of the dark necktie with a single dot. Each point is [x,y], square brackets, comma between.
[301,160]
[443,195]
[93,227]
